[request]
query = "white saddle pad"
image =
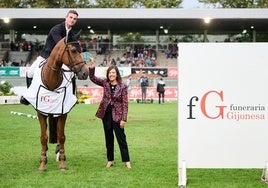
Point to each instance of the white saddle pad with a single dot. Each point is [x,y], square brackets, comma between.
[56,102]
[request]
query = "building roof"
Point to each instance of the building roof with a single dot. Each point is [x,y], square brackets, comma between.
[147,21]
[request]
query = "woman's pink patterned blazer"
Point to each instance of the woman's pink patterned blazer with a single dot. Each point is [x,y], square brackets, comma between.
[119,101]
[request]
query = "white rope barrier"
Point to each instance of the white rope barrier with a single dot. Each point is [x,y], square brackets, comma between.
[23,114]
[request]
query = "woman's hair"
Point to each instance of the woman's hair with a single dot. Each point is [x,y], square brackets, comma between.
[118,77]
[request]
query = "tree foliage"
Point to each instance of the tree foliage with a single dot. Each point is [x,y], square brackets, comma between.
[237,3]
[159,3]
[10,3]
[131,37]
[89,3]
[5,88]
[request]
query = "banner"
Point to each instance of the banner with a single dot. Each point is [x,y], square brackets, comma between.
[171,93]
[150,70]
[10,71]
[223,106]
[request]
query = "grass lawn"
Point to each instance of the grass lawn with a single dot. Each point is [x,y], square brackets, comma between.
[152,137]
[151,134]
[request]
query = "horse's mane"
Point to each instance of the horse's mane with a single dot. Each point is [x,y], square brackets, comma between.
[57,51]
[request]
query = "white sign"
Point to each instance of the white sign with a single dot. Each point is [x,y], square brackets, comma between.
[223,105]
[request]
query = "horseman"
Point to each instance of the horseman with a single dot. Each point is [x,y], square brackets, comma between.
[51,90]
[51,84]
[56,33]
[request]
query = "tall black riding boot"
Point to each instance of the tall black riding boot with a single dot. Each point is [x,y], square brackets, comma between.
[28,83]
[74,85]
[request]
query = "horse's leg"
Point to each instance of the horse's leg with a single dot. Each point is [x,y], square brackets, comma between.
[61,140]
[43,139]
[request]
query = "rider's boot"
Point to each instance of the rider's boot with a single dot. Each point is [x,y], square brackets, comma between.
[28,83]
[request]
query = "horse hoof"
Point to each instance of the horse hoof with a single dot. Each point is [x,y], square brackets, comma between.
[62,168]
[42,169]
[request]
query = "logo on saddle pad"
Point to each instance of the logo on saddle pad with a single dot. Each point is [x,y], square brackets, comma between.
[48,99]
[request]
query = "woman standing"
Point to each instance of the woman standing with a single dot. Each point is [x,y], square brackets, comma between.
[113,111]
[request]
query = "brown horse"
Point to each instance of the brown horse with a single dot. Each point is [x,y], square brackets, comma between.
[52,75]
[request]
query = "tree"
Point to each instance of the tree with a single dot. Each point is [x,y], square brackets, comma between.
[32,3]
[90,3]
[157,4]
[10,3]
[5,88]
[237,3]
[247,37]
[131,37]
[112,4]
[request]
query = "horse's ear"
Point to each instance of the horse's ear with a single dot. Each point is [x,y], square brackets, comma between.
[77,35]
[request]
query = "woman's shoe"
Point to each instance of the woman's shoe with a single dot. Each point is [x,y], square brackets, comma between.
[127,164]
[109,164]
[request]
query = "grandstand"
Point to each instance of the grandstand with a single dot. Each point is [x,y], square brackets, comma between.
[162,60]
[148,22]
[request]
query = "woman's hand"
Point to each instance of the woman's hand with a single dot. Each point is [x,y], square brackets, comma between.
[91,63]
[122,124]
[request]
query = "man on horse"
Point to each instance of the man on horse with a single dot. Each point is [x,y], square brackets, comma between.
[56,33]
[51,90]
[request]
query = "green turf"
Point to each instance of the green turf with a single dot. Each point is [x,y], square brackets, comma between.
[151,134]
[152,137]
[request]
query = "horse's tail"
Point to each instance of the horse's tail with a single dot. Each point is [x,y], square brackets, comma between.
[52,123]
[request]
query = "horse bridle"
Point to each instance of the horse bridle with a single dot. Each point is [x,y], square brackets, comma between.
[72,64]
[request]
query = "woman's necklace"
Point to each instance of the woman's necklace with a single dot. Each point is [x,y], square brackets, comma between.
[112,86]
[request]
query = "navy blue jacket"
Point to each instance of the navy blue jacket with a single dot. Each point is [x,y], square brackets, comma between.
[56,33]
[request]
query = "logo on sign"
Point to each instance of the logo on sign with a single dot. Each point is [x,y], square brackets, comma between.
[215,109]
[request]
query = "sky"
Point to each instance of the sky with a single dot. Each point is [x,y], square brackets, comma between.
[191,4]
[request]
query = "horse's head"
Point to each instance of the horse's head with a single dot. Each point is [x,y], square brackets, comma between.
[73,58]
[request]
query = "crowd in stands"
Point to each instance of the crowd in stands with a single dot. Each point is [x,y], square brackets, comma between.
[20,47]
[139,56]
[144,56]
[172,51]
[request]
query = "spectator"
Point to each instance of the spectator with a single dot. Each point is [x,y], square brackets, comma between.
[5,59]
[118,62]
[144,84]
[148,62]
[161,90]
[12,46]
[113,62]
